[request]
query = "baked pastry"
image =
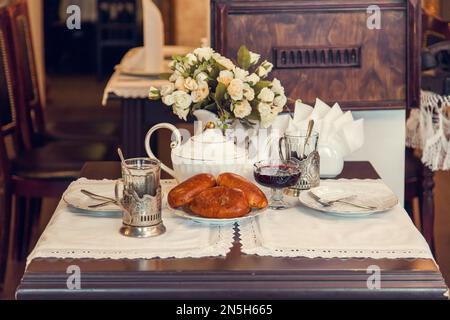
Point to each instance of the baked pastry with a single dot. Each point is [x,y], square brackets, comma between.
[220,203]
[183,194]
[255,197]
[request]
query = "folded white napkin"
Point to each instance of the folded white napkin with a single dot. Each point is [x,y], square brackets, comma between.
[337,130]
[153,37]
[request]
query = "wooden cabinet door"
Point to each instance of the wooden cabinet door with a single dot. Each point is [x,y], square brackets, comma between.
[326,49]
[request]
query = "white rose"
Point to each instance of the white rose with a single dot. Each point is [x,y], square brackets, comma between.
[179,84]
[180,68]
[267,120]
[204,54]
[280,101]
[191,59]
[175,76]
[154,94]
[190,84]
[249,93]
[277,87]
[172,64]
[202,77]
[201,93]
[168,100]
[225,77]
[224,62]
[277,110]
[182,102]
[182,99]
[264,109]
[236,89]
[240,74]
[181,113]
[266,95]
[254,58]
[167,89]
[242,109]
[264,69]
[253,79]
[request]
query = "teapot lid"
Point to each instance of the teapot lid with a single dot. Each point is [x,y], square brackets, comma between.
[210,145]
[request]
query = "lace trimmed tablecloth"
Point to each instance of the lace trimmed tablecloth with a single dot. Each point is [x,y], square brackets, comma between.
[303,232]
[130,86]
[428,129]
[71,235]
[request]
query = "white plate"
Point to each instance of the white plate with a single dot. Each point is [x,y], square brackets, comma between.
[181,213]
[77,200]
[369,193]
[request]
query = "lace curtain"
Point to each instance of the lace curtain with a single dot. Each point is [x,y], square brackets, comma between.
[428,129]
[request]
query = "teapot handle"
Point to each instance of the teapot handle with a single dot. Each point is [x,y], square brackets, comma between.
[173,144]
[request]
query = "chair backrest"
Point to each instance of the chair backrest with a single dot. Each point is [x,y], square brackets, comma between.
[9,97]
[26,66]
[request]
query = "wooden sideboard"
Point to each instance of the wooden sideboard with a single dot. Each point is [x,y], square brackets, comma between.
[325,48]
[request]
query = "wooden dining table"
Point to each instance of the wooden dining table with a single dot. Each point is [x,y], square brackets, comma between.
[236,276]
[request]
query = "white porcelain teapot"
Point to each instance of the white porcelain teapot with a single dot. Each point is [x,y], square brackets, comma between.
[208,152]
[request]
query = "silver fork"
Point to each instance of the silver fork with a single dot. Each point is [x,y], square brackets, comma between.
[343,200]
[97,197]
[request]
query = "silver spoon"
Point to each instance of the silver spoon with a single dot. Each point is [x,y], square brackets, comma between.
[308,136]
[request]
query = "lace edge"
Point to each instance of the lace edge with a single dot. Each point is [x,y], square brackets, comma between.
[248,238]
[219,249]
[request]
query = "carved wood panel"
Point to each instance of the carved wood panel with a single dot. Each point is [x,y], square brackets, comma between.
[377,73]
[317,57]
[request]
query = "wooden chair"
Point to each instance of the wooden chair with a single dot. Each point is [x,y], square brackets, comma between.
[29,174]
[419,181]
[41,130]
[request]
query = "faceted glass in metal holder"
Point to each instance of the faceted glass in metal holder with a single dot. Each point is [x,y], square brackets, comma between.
[296,147]
[141,199]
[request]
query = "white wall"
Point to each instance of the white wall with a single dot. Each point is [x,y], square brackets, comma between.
[385,146]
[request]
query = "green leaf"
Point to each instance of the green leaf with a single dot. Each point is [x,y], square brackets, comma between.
[221,89]
[255,116]
[197,106]
[261,85]
[247,123]
[214,74]
[165,76]
[211,107]
[244,58]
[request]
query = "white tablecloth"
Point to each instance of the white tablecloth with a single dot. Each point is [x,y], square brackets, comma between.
[137,87]
[303,232]
[125,86]
[296,232]
[71,235]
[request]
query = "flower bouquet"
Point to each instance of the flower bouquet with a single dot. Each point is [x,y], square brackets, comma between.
[206,80]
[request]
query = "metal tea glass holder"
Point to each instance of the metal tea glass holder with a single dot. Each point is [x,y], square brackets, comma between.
[302,147]
[141,199]
[310,178]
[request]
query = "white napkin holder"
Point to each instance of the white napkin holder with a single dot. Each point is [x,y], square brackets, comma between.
[331,161]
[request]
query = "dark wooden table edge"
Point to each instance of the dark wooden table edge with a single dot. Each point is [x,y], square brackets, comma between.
[251,284]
